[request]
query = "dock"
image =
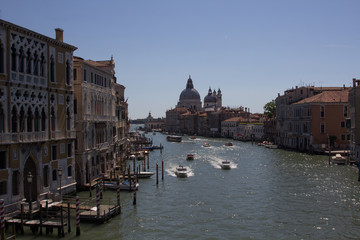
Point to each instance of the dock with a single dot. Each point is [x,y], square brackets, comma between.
[104,214]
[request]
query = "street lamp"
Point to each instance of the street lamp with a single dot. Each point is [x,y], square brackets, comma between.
[29,179]
[60,174]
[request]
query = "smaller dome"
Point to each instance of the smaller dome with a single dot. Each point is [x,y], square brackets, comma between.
[209,98]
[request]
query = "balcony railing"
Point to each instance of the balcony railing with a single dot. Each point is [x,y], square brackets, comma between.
[71,134]
[55,135]
[24,137]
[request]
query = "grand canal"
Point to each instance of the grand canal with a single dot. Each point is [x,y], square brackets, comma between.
[268,194]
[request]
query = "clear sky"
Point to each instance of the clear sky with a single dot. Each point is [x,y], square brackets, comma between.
[250,49]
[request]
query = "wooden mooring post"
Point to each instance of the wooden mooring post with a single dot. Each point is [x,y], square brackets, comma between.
[157,174]
[77,215]
[162,170]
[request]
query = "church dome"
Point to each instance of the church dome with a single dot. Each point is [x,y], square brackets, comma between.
[210,97]
[189,92]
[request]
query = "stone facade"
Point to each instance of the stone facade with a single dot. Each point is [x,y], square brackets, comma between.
[36,115]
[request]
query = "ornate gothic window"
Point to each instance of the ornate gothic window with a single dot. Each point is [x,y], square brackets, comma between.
[36,64]
[14,120]
[43,120]
[28,61]
[29,120]
[2,119]
[37,120]
[42,65]
[2,58]
[13,58]
[52,69]
[22,120]
[53,119]
[21,60]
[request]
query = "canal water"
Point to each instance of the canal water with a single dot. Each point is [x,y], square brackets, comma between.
[267,194]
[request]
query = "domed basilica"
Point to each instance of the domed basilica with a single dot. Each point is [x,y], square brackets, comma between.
[190,98]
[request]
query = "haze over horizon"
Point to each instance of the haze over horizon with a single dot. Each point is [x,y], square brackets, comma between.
[251,50]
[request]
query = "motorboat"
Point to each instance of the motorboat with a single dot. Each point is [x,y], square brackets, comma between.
[181,171]
[206,144]
[143,174]
[225,164]
[132,157]
[228,144]
[173,138]
[190,156]
[339,159]
[124,186]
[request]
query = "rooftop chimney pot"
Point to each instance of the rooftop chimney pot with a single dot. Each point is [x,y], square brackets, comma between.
[59,34]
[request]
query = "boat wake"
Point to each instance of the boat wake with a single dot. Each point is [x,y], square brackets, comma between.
[216,162]
[172,170]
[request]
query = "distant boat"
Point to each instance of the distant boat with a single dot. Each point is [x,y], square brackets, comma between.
[190,156]
[339,159]
[206,144]
[143,174]
[228,144]
[158,147]
[124,185]
[192,137]
[225,164]
[173,138]
[181,171]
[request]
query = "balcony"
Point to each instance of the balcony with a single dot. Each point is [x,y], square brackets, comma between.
[24,137]
[71,134]
[55,135]
[102,146]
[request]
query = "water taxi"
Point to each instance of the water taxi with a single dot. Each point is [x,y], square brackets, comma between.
[225,164]
[173,138]
[181,171]
[206,144]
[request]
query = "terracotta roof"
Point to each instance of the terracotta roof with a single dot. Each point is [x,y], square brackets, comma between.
[236,119]
[328,97]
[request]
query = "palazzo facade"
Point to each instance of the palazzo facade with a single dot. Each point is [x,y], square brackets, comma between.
[36,115]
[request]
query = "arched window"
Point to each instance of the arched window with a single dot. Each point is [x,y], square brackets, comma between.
[54,175]
[14,120]
[52,69]
[43,120]
[2,119]
[67,77]
[2,58]
[21,60]
[42,65]
[29,122]
[37,120]
[36,64]
[68,119]
[69,171]
[53,119]
[13,58]
[22,120]
[28,61]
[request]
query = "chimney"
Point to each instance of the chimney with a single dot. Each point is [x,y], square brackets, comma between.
[59,34]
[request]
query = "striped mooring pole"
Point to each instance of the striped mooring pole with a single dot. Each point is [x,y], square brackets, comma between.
[101,185]
[77,215]
[97,200]
[2,217]
[118,191]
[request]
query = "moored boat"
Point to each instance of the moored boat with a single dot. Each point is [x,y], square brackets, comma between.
[124,186]
[339,159]
[225,164]
[181,171]
[173,138]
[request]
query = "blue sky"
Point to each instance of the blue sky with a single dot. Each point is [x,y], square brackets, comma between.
[250,49]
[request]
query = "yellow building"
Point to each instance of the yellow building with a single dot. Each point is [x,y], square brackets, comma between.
[36,115]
